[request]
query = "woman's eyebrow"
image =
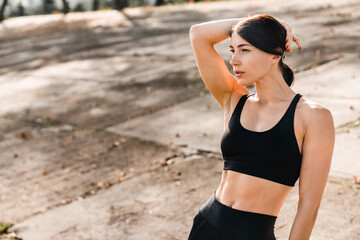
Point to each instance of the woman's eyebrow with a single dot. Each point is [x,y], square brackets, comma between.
[240,45]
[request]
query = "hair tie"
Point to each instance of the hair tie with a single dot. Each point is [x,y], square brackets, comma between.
[283,55]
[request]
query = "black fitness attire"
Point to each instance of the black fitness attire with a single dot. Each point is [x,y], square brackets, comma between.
[272,154]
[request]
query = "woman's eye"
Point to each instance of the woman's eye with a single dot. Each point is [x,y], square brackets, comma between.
[243,50]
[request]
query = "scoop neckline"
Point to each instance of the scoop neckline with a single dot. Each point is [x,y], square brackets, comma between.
[266,131]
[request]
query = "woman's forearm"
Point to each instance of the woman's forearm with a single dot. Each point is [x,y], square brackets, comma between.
[303,224]
[213,31]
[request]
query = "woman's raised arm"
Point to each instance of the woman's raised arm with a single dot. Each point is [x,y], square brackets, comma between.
[213,70]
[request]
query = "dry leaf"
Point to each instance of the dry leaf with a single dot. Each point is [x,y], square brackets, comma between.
[23,135]
[108,184]
[163,162]
[65,201]
[355,180]
[78,197]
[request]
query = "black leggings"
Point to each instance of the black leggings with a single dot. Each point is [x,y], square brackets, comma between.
[216,221]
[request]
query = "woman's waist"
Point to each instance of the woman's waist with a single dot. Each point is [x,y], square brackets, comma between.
[249,193]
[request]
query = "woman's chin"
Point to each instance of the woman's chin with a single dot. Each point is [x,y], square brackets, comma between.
[244,83]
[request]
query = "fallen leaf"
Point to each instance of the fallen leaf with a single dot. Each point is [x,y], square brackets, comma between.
[108,184]
[78,197]
[65,201]
[355,180]
[163,162]
[23,135]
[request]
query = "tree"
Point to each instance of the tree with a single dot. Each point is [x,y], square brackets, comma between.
[120,4]
[66,7]
[48,6]
[159,2]
[79,8]
[95,5]
[20,10]
[2,9]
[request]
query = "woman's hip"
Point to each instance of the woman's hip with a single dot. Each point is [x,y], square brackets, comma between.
[237,223]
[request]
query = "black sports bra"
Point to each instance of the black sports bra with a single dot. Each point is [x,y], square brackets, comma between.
[272,154]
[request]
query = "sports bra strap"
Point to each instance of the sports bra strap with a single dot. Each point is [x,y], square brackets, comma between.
[289,113]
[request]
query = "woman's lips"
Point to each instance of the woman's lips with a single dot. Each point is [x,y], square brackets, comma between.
[239,74]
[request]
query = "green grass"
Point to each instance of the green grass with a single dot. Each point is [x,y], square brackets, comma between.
[4,227]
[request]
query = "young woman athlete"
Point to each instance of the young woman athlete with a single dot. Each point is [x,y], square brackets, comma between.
[271,139]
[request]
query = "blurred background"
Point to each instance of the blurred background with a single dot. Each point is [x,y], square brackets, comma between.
[107,130]
[14,8]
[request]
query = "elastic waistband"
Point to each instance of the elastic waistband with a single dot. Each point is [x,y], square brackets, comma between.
[237,222]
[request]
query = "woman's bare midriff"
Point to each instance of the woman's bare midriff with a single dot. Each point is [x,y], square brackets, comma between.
[252,194]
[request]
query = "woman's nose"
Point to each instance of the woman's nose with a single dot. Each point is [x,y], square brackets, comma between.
[234,61]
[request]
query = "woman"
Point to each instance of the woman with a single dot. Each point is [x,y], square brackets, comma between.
[272,137]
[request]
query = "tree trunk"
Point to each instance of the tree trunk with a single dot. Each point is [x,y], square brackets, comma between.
[2,10]
[120,4]
[95,5]
[66,7]
[159,2]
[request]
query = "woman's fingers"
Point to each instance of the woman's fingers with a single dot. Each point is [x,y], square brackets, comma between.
[289,36]
[296,39]
[288,44]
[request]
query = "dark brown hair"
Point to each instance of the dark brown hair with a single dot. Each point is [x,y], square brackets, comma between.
[265,33]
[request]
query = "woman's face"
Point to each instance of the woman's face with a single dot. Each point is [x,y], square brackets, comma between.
[252,61]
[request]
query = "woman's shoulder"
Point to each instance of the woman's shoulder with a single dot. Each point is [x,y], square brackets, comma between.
[314,113]
[312,107]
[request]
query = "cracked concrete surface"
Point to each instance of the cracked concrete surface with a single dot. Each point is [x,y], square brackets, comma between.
[103,119]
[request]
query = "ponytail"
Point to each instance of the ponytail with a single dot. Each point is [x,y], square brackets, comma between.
[287,72]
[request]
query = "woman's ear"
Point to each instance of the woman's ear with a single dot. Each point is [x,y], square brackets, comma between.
[275,59]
